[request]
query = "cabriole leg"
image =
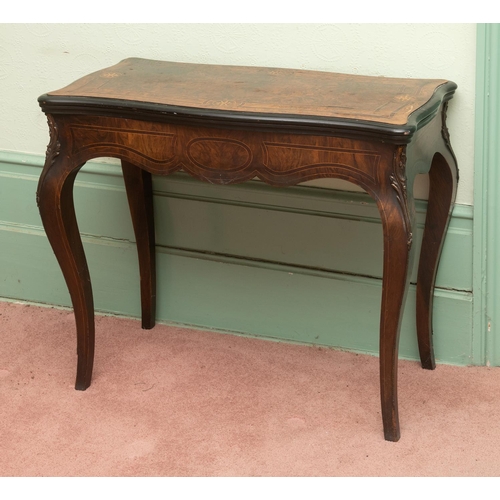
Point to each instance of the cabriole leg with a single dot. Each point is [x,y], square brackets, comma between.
[442,189]
[139,188]
[57,211]
[397,211]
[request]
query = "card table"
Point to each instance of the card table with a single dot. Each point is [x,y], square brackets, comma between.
[227,124]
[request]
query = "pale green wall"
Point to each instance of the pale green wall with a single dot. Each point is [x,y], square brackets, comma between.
[37,58]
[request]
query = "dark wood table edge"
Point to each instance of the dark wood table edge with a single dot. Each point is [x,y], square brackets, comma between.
[288,123]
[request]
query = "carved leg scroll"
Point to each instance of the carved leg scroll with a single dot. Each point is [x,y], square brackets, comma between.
[140,198]
[55,201]
[442,190]
[397,211]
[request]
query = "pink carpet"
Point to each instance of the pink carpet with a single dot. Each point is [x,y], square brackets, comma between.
[182,402]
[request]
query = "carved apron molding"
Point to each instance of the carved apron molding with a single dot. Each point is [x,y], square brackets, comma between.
[398,182]
[54,146]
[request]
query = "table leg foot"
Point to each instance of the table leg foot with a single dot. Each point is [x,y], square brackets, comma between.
[442,177]
[139,189]
[82,380]
[392,433]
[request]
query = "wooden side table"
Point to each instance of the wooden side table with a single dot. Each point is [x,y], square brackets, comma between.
[227,124]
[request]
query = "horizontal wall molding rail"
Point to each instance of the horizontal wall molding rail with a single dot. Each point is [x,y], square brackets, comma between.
[303,227]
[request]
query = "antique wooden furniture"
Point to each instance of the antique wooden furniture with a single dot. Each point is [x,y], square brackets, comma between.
[227,124]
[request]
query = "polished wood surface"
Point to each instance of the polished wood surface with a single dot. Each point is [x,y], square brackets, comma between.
[238,89]
[380,158]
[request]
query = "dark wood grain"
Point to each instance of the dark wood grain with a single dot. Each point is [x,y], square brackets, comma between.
[225,125]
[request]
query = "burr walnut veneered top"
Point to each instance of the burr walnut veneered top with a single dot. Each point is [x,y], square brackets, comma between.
[257,90]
